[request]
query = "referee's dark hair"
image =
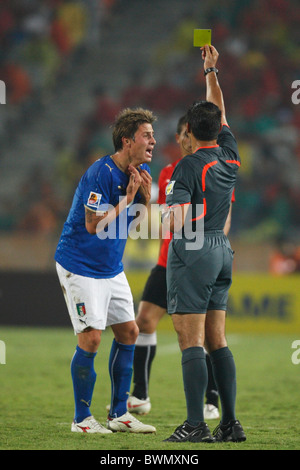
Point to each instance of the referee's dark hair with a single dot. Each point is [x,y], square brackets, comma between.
[181,122]
[204,120]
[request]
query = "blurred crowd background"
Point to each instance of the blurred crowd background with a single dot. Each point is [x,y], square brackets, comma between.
[69,66]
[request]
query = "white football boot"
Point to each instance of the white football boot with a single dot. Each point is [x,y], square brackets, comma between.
[89,425]
[211,412]
[137,406]
[128,423]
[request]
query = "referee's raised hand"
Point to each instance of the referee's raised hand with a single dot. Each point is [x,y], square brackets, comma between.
[210,56]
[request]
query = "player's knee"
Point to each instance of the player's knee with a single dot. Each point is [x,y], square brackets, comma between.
[145,324]
[127,334]
[131,335]
[90,340]
[148,317]
[212,344]
[134,332]
[143,318]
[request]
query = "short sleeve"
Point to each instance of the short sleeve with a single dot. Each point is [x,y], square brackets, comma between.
[96,188]
[181,185]
[227,141]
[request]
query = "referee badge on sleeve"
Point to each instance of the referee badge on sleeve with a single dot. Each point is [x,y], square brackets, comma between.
[169,188]
[94,200]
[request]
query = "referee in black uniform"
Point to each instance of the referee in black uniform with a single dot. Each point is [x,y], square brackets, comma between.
[199,276]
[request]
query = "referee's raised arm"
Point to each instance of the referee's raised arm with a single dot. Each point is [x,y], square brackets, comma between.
[213,90]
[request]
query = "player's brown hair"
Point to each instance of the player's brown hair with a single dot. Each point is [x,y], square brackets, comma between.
[127,123]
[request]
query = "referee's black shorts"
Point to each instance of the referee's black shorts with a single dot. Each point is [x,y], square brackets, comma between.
[155,290]
[199,280]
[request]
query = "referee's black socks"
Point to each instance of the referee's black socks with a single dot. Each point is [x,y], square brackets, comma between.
[224,371]
[194,372]
[212,396]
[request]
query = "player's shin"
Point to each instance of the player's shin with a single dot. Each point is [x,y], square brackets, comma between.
[84,378]
[120,370]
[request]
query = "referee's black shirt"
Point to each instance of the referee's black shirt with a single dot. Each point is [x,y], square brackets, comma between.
[207,177]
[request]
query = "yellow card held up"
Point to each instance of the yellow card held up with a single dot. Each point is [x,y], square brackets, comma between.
[202,37]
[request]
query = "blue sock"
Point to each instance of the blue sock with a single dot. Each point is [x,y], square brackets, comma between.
[120,371]
[84,378]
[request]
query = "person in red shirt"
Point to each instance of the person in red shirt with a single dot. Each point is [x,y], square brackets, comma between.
[153,304]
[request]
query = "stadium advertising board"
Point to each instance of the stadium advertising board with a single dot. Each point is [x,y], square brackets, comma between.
[257,303]
[264,303]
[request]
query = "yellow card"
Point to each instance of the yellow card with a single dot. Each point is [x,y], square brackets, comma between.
[202,37]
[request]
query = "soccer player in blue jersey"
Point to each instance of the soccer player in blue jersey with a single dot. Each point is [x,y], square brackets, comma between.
[89,265]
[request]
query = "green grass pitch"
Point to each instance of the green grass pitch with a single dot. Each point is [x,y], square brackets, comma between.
[36,395]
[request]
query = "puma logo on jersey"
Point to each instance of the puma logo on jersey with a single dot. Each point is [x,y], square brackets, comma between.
[111,168]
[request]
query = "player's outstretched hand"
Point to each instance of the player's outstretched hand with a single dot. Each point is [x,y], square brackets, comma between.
[210,56]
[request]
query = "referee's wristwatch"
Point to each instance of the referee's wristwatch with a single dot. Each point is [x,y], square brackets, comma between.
[211,69]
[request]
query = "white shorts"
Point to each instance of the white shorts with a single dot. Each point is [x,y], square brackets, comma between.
[96,303]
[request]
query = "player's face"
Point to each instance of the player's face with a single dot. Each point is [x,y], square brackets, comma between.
[142,145]
[184,141]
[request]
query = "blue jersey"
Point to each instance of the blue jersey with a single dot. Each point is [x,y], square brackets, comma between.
[89,255]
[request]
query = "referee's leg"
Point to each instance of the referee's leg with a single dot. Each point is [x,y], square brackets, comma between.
[190,332]
[222,361]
